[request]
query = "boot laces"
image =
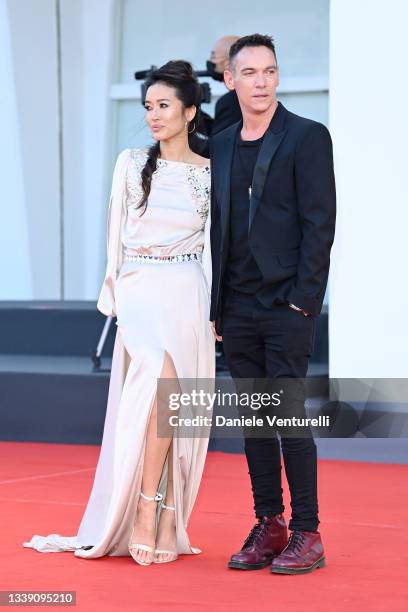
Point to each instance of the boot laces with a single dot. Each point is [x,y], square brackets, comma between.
[296,540]
[255,534]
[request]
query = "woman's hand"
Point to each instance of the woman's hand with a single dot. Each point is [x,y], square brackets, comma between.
[214,331]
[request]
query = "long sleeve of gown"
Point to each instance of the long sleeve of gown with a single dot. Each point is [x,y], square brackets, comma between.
[115,220]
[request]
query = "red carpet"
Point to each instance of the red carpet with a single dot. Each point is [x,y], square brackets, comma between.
[363,509]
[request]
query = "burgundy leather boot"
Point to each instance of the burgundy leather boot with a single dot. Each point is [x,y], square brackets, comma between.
[266,539]
[303,554]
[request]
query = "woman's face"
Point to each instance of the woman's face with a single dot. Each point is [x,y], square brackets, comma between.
[165,114]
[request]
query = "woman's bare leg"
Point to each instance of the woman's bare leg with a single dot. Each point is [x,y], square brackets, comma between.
[156,451]
[166,532]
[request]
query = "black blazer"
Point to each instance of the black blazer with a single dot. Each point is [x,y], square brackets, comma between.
[227,112]
[291,215]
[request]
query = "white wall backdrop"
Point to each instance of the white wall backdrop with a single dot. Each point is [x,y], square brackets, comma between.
[368,285]
[15,265]
[67,70]
[153,34]
[30,174]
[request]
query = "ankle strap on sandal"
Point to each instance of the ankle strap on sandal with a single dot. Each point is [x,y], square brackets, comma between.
[158,497]
[168,507]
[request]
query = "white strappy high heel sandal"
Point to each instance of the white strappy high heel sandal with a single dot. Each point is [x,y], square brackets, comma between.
[134,547]
[172,554]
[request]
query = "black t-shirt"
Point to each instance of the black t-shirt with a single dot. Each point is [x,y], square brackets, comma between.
[242,272]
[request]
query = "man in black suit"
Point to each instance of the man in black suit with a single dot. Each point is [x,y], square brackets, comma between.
[273,221]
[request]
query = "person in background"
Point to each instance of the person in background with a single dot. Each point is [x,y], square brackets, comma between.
[227,109]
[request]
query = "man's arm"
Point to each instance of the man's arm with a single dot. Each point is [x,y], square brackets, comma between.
[316,195]
[215,229]
[227,112]
[215,237]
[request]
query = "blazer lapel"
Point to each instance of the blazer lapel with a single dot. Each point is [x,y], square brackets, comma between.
[272,139]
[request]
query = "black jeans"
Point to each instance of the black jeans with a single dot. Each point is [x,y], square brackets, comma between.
[261,342]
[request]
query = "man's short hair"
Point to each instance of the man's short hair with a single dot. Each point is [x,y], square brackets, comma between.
[253,40]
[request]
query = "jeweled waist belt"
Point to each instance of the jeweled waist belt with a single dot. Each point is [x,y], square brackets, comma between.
[162,260]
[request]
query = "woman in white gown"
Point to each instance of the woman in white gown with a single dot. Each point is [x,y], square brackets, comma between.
[157,283]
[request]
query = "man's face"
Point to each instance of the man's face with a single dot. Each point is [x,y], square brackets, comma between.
[254,75]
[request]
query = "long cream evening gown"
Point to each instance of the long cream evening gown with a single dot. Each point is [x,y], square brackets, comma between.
[162,309]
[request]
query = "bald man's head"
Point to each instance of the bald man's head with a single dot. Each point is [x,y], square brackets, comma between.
[220,52]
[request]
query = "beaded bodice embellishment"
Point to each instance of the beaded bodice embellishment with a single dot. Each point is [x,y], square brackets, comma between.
[198,179]
[133,180]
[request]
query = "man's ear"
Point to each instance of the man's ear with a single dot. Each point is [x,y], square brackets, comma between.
[229,79]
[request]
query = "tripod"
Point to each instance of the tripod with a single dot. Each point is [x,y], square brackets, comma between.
[96,354]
